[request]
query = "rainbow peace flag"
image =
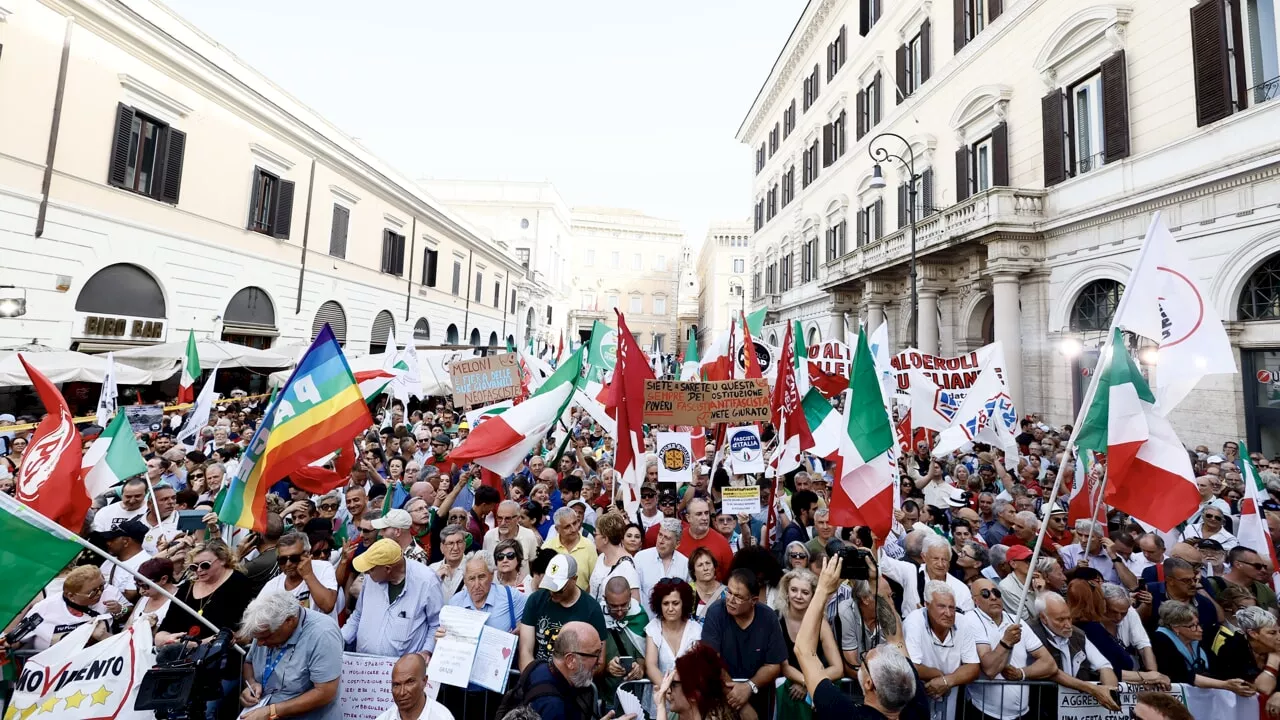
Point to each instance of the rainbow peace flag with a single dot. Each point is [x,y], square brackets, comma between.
[320,409]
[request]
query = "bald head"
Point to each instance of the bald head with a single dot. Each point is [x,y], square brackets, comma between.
[411,664]
[548,476]
[575,637]
[1185,551]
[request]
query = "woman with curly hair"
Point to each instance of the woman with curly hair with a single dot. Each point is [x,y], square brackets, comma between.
[695,689]
[672,631]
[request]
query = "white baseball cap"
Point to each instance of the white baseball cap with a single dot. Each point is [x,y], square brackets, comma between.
[395,518]
[561,571]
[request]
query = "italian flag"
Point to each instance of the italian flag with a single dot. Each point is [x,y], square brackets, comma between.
[864,493]
[34,551]
[825,424]
[502,442]
[1252,531]
[190,371]
[801,360]
[373,382]
[1148,473]
[112,458]
[691,369]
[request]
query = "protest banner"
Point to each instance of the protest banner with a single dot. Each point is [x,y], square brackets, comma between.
[73,682]
[745,451]
[832,357]
[365,691]
[673,402]
[738,500]
[675,457]
[945,381]
[1202,702]
[145,418]
[494,655]
[485,380]
[456,651]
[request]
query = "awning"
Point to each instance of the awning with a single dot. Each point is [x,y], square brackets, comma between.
[62,366]
[164,360]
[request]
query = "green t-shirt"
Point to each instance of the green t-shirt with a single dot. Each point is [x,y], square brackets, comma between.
[546,617]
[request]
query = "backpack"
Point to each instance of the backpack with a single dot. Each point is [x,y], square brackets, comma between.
[522,693]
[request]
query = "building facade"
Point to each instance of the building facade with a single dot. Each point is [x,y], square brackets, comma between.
[626,260]
[722,266]
[1040,137]
[152,183]
[687,302]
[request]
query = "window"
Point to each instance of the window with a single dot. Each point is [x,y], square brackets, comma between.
[659,305]
[588,301]
[659,342]
[774,138]
[833,140]
[971,17]
[660,264]
[913,62]
[837,240]
[868,14]
[1235,57]
[1086,125]
[811,88]
[613,302]
[338,231]
[457,277]
[809,261]
[479,287]
[591,258]
[759,215]
[146,156]
[835,54]
[1260,298]
[522,256]
[788,185]
[739,265]
[1095,306]
[392,253]
[430,258]
[921,193]
[760,157]
[755,285]
[784,273]
[789,120]
[615,260]
[811,162]
[870,223]
[513,302]
[771,209]
[270,204]
[637,304]
[771,278]
[637,262]
[984,164]
[497,294]
[869,107]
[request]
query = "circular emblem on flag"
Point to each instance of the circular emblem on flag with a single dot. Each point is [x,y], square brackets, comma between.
[41,460]
[763,354]
[1181,311]
[675,457]
[1265,376]
[745,446]
[609,349]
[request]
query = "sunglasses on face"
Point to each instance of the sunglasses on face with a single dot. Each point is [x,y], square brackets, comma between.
[648,496]
[988,593]
[797,556]
[505,556]
[283,560]
[329,506]
[199,567]
[195,476]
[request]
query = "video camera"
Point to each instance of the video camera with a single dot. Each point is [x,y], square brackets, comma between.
[187,675]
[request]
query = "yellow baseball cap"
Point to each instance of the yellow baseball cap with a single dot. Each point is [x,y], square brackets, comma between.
[384,552]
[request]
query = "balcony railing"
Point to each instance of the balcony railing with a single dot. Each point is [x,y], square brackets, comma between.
[1004,209]
[1266,90]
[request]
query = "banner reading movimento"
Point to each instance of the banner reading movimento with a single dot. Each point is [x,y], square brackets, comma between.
[485,380]
[673,402]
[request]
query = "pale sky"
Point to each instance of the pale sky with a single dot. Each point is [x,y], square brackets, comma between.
[617,103]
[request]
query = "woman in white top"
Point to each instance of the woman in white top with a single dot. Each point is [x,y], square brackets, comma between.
[81,597]
[614,560]
[672,631]
[153,606]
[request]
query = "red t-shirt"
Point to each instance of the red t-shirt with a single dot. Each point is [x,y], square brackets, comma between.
[712,541]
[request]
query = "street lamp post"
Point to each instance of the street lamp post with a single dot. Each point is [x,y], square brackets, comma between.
[880,154]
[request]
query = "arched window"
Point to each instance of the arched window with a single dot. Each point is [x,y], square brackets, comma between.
[382,325]
[511,341]
[493,339]
[814,336]
[250,319]
[451,335]
[122,289]
[773,339]
[422,331]
[333,314]
[1260,298]
[1095,306]
[475,337]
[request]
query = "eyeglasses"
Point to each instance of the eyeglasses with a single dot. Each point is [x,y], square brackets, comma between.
[648,496]
[505,556]
[199,567]
[97,590]
[1260,567]
[594,657]
[988,592]
[283,560]
[329,506]
[798,556]
[197,476]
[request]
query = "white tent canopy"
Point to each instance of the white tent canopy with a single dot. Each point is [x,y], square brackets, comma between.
[62,366]
[433,367]
[163,361]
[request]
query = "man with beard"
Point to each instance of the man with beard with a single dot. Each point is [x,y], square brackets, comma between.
[557,688]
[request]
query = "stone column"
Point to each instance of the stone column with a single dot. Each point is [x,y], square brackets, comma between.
[1004,292]
[927,321]
[875,314]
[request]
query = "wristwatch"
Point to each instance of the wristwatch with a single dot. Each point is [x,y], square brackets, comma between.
[753,687]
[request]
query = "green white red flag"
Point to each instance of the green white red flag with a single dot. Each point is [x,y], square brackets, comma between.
[864,493]
[1253,531]
[190,370]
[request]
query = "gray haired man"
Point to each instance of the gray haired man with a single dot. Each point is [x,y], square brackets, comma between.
[294,663]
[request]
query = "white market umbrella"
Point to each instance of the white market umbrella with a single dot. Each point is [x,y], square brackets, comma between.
[62,366]
[432,366]
[164,360]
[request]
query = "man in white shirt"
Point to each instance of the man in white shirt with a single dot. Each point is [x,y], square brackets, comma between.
[507,520]
[1004,647]
[1211,527]
[164,527]
[133,499]
[944,652]
[124,542]
[936,553]
[1078,660]
[1129,629]
[649,514]
[409,691]
[314,584]
[662,560]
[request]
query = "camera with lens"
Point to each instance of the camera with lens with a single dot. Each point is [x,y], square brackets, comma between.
[187,675]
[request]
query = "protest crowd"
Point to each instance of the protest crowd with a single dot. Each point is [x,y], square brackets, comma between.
[734,594]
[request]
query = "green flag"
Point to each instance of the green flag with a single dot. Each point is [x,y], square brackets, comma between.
[755,322]
[603,352]
[34,551]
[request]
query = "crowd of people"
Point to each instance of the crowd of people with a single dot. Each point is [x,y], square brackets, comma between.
[695,612]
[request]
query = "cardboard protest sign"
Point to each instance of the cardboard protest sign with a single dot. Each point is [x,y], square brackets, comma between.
[485,380]
[739,500]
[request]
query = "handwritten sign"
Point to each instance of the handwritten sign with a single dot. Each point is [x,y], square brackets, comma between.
[739,500]
[365,691]
[485,380]
[456,651]
[671,402]
[494,654]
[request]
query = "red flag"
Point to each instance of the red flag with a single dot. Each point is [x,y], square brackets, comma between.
[1084,491]
[49,480]
[626,398]
[829,384]
[697,439]
[560,347]
[751,363]
[771,521]
[493,480]
[318,480]
[788,410]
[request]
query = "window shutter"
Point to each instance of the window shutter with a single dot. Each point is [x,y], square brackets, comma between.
[844,45]
[864,17]
[1115,108]
[1000,155]
[861,229]
[1210,61]
[862,113]
[386,251]
[994,8]
[399,260]
[926,193]
[879,228]
[430,259]
[253,196]
[925,42]
[119,169]
[1055,167]
[284,209]
[873,112]
[338,232]
[960,23]
[901,74]
[826,145]
[902,206]
[962,173]
[170,182]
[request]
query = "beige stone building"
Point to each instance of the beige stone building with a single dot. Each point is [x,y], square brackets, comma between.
[722,269]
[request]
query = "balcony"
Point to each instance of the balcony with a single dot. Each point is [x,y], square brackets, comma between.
[1006,210]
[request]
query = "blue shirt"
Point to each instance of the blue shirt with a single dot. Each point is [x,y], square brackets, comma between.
[312,655]
[408,625]
[504,605]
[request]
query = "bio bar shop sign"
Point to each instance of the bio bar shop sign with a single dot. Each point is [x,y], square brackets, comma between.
[122,328]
